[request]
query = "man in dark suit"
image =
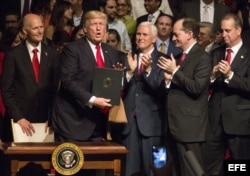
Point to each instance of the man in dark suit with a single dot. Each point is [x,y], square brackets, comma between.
[229,104]
[77,114]
[187,109]
[164,43]
[195,9]
[152,7]
[143,101]
[28,98]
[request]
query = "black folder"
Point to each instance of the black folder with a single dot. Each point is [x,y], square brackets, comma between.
[107,83]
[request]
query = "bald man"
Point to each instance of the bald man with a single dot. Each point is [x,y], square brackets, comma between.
[28,96]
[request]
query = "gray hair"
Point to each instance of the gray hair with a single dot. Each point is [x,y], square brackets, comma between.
[152,26]
[209,26]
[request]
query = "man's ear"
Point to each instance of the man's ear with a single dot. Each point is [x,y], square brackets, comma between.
[24,31]
[102,9]
[84,30]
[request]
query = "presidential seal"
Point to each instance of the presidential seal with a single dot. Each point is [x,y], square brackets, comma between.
[107,82]
[67,159]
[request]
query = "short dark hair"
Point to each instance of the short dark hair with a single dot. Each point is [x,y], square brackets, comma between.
[166,15]
[189,24]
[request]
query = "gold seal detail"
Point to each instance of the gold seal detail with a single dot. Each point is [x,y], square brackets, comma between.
[67,159]
[107,82]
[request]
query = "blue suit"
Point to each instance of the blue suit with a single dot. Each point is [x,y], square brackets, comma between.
[170,49]
[145,110]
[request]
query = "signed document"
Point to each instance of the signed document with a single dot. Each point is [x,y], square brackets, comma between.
[38,136]
[107,83]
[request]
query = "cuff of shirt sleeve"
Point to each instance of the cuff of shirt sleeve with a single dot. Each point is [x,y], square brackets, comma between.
[229,78]
[91,101]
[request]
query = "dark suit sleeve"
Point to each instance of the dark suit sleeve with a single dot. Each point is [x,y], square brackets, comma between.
[199,81]
[75,77]
[8,82]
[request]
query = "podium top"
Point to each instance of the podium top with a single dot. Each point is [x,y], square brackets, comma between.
[48,148]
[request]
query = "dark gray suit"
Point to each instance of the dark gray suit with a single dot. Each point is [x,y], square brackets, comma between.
[192,10]
[229,112]
[144,106]
[73,118]
[187,105]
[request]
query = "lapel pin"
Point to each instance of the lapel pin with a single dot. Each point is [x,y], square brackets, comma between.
[45,53]
[106,51]
[242,57]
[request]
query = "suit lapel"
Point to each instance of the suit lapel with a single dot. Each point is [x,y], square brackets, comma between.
[44,59]
[106,56]
[27,60]
[192,10]
[90,55]
[189,55]
[239,58]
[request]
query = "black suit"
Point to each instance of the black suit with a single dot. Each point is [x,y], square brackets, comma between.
[145,18]
[22,96]
[229,112]
[73,118]
[187,108]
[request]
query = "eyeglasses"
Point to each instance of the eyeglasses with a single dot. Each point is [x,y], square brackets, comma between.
[121,5]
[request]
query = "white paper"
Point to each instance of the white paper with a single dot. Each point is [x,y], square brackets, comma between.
[38,136]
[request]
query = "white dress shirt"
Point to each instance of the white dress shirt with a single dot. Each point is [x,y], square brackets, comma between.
[210,11]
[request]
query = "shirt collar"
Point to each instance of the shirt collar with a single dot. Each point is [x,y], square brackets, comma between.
[30,47]
[236,47]
[202,4]
[189,48]
[156,14]
[159,41]
[92,45]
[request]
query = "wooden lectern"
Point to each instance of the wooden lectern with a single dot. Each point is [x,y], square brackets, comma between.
[101,155]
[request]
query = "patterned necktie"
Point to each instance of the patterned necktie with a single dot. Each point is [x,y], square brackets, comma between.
[150,18]
[35,64]
[229,57]
[205,13]
[183,57]
[163,48]
[99,59]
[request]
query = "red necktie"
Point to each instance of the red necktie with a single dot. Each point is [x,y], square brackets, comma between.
[26,7]
[228,57]
[183,56]
[35,64]
[141,68]
[99,59]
